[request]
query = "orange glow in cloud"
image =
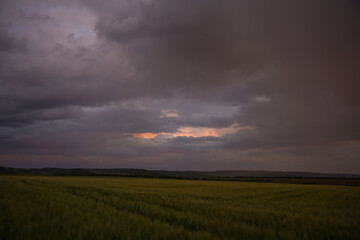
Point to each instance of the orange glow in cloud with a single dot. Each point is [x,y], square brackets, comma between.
[145,135]
[195,132]
[348,143]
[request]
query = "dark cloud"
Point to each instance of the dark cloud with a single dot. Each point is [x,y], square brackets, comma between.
[79,78]
[9,43]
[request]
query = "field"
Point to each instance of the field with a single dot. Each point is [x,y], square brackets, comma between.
[35,207]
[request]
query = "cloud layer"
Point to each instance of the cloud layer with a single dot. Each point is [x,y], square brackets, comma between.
[180,84]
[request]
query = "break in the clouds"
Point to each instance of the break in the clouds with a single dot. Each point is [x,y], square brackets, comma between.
[180,85]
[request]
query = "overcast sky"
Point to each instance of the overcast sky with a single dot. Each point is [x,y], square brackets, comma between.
[180,84]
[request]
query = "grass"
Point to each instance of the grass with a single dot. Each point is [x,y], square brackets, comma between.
[33,207]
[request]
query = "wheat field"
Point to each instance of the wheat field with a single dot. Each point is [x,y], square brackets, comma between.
[37,207]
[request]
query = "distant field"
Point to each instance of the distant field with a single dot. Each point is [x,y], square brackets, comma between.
[35,207]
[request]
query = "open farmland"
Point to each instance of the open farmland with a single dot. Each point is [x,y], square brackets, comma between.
[37,207]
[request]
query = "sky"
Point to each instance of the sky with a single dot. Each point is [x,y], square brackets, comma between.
[180,85]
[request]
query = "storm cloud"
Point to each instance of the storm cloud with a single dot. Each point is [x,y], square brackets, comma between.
[180,85]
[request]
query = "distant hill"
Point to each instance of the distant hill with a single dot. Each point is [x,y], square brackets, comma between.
[170,174]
